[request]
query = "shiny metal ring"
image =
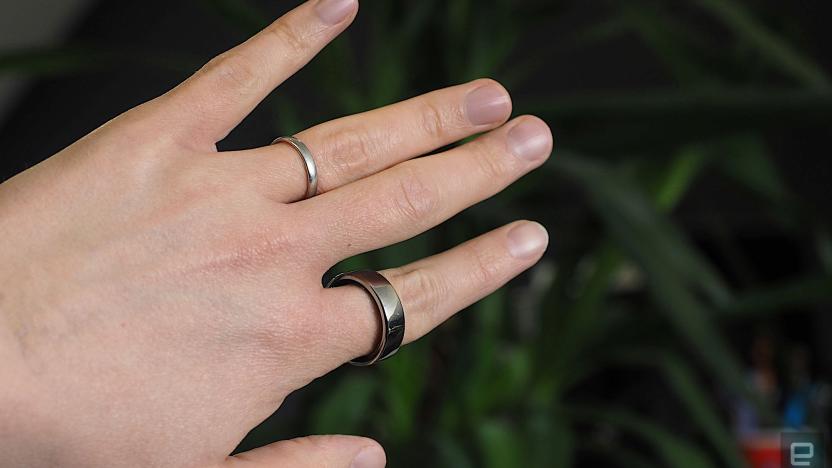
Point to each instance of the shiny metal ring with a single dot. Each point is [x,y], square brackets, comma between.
[308,162]
[389,308]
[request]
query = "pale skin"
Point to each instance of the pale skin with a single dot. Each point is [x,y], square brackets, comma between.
[159,298]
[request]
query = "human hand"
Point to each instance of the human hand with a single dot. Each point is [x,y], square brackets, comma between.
[148,280]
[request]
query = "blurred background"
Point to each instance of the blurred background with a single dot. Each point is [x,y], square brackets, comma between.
[683,312]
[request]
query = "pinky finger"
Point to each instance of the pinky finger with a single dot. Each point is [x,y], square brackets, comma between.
[435,288]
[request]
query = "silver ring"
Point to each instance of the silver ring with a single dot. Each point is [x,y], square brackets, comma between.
[308,162]
[389,308]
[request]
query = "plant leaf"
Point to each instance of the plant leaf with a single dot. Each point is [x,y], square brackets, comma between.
[698,404]
[239,13]
[500,445]
[636,224]
[773,48]
[779,297]
[345,407]
[672,450]
[668,263]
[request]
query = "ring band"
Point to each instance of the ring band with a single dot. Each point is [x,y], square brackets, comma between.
[308,162]
[389,308]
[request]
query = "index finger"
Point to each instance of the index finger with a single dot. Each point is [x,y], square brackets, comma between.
[209,104]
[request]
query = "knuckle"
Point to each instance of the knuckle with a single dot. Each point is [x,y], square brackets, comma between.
[490,165]
[257,249]
[350,154]
[434,120]
[233,70]
[282,337]
[288,37]
[483,271]
[288,333]
[263,248]
[422,290]
[416,199]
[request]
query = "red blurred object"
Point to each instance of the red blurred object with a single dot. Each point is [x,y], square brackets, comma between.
[762,450]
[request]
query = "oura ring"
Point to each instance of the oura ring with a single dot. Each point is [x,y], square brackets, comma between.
[308,163]
[389,308]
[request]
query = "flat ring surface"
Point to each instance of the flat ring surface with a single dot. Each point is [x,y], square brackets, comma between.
[388,306]
[308,162]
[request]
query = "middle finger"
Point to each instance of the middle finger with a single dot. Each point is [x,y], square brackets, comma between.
[415,195]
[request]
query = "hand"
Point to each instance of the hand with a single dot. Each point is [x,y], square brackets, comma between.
[149,280]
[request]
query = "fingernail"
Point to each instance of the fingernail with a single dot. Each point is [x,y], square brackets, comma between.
[527,240]
[487,104]
[530,139]
[334,11]
[369,457]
